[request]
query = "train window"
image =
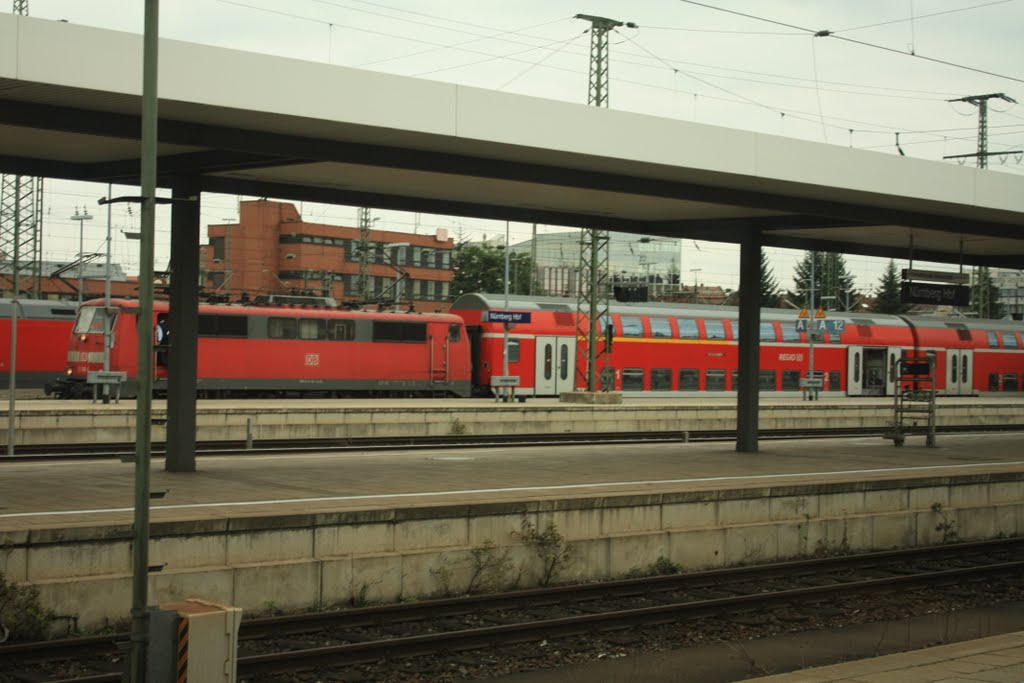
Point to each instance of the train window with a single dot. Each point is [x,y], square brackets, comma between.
[223,326]
[790,380]
[1009,340]
[312,328]
[632,379]
[1010,382]
[789,333]
[394,331]
[834,380]
[513,350]
[281,328]
[687,328]
[92,319]
[953,362]
[660,327]
[549,353]
[993,340]
[563,363]
[766,380]
[993,381]
[661,379]
[856,367]
[632,325]
[715,329]
[963,371]
[714,380]
[454,333]
[735,379]
[768,332]
[689,379]
[341,330]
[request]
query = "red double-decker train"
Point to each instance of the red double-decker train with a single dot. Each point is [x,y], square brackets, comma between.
[281,350]
[663,349]
[657,350]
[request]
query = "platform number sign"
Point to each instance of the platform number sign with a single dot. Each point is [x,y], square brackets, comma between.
[312,360]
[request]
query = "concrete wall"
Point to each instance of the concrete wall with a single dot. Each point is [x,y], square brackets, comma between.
[300,561]
[91,423]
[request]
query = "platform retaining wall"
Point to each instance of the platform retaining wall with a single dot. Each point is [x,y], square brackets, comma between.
[282,421]
[297,562]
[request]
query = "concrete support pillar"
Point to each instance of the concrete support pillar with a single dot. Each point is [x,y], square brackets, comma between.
[750,343]
[184,327]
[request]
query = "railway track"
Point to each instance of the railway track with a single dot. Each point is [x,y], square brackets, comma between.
[334,445]
[385,635]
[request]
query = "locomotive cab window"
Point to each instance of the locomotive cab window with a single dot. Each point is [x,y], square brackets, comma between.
[91,319]
[454,333]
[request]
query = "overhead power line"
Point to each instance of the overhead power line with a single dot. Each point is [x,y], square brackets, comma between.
[825,33]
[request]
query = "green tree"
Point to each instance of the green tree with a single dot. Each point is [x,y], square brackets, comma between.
[481,268]
[769,285]
[985,296]
[833,285]
[888,295]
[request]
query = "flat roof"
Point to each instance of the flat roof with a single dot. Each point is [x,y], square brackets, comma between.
[258,125]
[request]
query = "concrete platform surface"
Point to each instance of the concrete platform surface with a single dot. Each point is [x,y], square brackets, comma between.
[64,494]
[997,659]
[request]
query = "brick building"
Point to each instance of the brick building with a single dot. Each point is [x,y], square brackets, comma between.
[271,250]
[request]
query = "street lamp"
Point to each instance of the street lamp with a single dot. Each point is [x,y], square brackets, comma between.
[81,218]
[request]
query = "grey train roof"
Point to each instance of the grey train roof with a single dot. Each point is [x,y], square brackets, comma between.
[484,301]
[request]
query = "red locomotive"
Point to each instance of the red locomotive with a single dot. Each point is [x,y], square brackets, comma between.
[682,349]
[42,341]
[279,350]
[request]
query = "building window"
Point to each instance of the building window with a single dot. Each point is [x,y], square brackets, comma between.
[218,248]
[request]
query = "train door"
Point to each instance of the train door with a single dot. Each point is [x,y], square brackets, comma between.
[555,358]
[959,372]
[867,371]
[891,371]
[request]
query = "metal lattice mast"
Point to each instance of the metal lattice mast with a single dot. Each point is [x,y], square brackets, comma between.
[21,211]
[593,287]
[981,102]
[363,281]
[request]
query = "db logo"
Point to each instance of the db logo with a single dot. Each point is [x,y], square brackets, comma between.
[312,359]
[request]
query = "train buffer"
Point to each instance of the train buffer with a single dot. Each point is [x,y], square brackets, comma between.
[109,378]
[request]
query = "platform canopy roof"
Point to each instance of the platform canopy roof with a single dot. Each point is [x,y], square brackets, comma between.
[251,124]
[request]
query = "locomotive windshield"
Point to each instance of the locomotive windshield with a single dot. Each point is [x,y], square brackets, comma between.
[91,319]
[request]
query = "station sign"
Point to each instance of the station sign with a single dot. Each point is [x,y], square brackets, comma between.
[937,295]
[937,276]
[506,316]
[820,325]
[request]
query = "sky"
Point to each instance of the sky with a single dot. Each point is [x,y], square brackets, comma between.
[889,67]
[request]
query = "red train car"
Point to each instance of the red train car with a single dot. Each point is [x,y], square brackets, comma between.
[42,342]
[682,349]
[285,350]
